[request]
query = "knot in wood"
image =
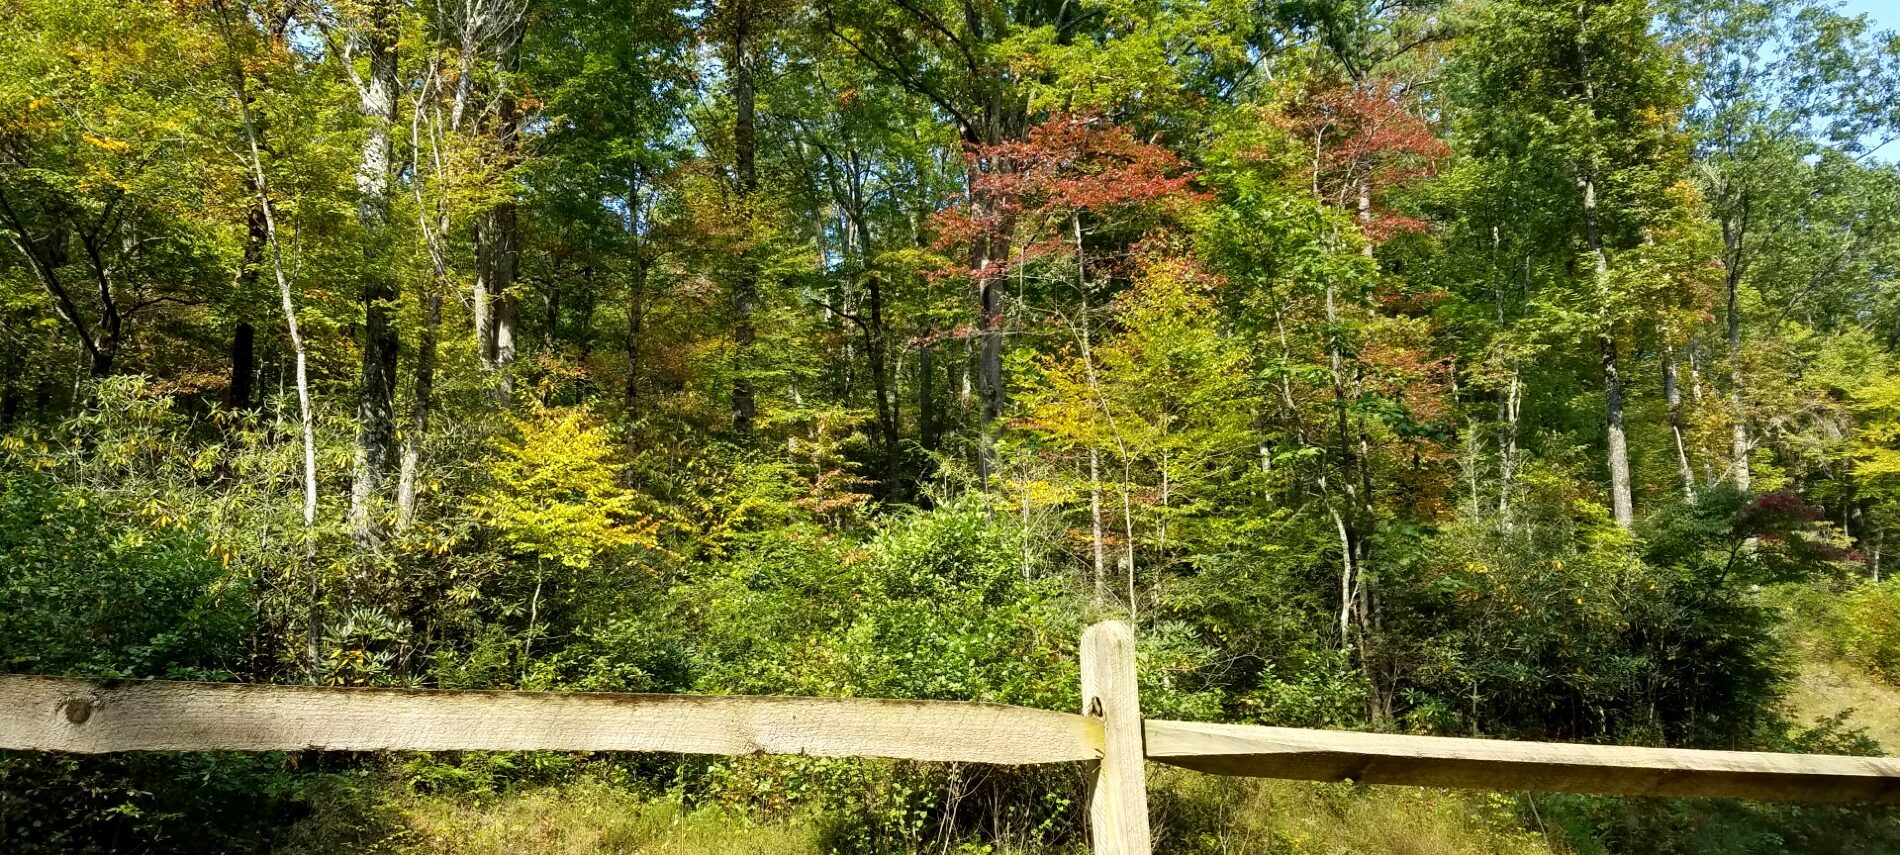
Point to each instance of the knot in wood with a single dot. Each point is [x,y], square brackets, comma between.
[77,710]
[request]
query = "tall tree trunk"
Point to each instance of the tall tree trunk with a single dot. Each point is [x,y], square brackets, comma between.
[990,353]
[989,253]
[1621,504]
[237,394]
[877,349]
[1355,520]
[497,251]
[505,256]
[1510,399]
[500,237]
[745,173]
[408,482]
[1738,443]
[494,276]
[376,385]
[1095,526]
[409,472]
[1510,407]
[857,241]
[1672,395]
[1619,455]
[1736,205]
[636,330]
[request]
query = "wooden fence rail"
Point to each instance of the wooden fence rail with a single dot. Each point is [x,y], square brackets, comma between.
[96,716]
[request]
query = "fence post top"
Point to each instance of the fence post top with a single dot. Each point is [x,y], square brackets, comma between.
[1109,630]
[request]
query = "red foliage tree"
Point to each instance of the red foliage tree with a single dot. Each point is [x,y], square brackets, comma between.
[1363,140]
[1069,167]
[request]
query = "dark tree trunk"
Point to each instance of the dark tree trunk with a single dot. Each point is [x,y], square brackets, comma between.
[745,173]
[243,366]
[1003,118]
[499,237]
[244,335]
[929,427]
[636,329]
[421,401]
[10,392]
[876,345]
[990,352]
[497,252]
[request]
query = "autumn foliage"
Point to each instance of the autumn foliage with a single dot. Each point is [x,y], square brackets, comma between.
[1364,139]
[1069,168]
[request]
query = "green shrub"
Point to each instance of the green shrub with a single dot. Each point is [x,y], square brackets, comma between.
[89,587]
[1867,627]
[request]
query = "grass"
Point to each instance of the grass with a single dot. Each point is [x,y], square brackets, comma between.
[1193,815]
[1826,686]
[587,818]
[1233,816]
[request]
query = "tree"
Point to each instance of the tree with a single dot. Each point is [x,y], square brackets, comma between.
[1161,397]
[1578,100]
[1775,85]
[945,51]
[374,28]
[103,101]
[555,496]
[741,25]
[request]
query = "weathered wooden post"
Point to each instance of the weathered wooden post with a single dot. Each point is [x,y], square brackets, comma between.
[1118,798]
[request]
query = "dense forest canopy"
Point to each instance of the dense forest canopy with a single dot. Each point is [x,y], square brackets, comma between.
[1523,368]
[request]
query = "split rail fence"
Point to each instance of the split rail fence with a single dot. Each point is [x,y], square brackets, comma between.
[94,716]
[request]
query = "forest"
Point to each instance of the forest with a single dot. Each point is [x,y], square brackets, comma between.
[1509,368]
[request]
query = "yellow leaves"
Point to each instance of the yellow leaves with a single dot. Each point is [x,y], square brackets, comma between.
[556,490]
[106,143]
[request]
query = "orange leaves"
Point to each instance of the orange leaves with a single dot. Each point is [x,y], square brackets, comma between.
[1081,163]
[1030,190]
[1362,140]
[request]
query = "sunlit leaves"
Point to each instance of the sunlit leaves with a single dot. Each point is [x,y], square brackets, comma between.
[555,494]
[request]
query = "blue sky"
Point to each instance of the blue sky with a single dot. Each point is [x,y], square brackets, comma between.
[1885,13]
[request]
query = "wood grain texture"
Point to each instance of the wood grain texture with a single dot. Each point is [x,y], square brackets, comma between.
[1118,798]
[1318,755]
[86,716]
